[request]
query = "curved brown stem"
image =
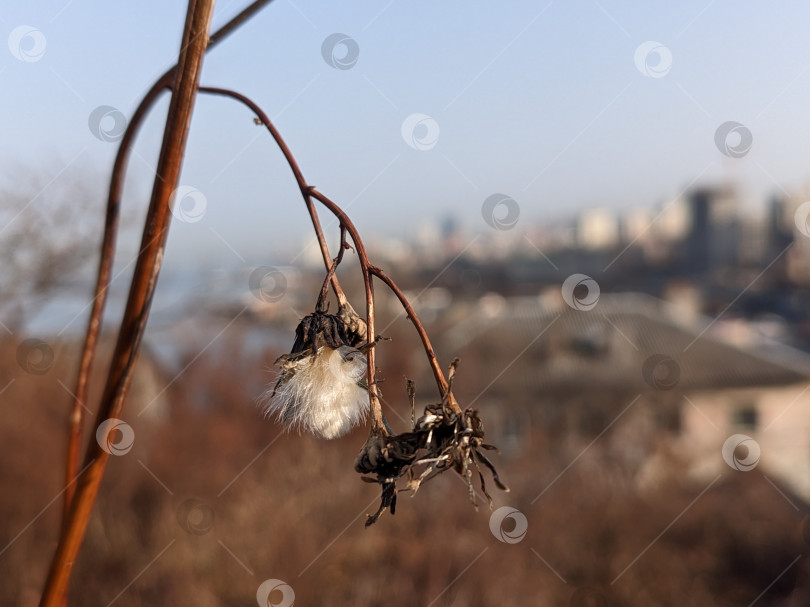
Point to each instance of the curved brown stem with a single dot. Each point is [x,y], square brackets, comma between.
[370,270]
[76,418]
[378,423]
[189,65]
[322,305]
[309,192]
[103,282]
[441,382]
[299,178]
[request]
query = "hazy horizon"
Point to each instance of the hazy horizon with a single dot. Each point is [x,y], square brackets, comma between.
[560,107]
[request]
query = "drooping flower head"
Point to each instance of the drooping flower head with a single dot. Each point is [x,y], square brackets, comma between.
[322,386]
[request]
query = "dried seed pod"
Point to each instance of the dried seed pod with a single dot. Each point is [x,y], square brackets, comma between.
[441,439]
[321,388]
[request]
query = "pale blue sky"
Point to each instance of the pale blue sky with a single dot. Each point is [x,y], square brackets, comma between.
[541,101]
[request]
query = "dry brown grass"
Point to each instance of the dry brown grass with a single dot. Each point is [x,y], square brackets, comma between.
[296,513]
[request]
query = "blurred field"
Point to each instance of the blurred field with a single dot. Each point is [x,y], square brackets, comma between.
[291,508]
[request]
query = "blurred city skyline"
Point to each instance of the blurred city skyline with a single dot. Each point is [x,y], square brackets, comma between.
[420,113]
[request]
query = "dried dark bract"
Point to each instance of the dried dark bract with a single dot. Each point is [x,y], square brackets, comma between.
[320,329]
[441,439]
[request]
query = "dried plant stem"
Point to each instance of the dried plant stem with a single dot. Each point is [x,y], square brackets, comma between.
[189,65]
[378,425]
[309,192]
[441,382]
[76,418]
[183,80]
[102,284]
[299,178]
[459,434]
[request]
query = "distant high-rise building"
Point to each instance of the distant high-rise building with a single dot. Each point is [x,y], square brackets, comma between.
[597,229]
[779,227]
[713,238]
[793,220]
[449,226]
[637,225]
[673,220]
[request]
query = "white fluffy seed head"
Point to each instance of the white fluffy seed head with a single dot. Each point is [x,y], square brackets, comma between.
[321,394]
